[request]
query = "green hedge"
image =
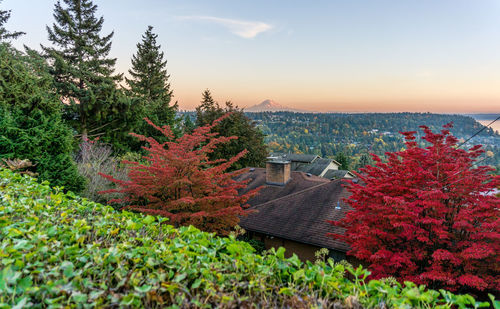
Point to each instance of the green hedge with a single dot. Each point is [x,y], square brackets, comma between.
[31,126]
[60,250]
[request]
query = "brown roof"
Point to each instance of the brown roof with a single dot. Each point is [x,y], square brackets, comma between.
[296,157]
[337,174]
[297,211]
[316,168]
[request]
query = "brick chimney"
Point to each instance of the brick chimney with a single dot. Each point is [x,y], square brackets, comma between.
[277,172]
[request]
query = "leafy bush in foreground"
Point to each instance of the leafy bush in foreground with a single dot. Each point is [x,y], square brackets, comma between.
[426,216]
[61,250]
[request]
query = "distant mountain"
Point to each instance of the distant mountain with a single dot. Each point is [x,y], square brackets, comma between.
[270,106]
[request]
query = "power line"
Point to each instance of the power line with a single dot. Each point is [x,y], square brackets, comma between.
[474,173]
[476,162]
[473,135]
[463,170]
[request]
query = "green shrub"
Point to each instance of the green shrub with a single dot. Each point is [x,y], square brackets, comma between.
[60,250]
[30,120]
[44,140]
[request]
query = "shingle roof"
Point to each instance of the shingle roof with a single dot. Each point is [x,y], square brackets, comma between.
[336,174]
[297,211]
[296,157]
[298,182]
[315,168]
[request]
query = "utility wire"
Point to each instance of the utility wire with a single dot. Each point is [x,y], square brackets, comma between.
[474,173]
[473,135]
[463,170]
[476,162]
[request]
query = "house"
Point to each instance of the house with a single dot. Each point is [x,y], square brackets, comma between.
[296,159]
[312,164]
[338,174]
[292,210]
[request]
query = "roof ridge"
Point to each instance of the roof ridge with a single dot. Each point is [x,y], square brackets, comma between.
[296,193]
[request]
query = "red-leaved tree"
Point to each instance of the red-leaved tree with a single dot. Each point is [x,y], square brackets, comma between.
[181,183]
[427,215]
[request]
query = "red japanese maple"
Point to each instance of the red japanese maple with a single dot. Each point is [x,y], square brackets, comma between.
[427,216]
[181,183]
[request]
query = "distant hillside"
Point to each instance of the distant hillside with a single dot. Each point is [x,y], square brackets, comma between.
[270,106]
[327,134]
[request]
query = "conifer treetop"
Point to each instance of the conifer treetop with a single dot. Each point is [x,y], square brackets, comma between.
[4,33]
[82,69]
[250,137]
[76,33]
[149,77]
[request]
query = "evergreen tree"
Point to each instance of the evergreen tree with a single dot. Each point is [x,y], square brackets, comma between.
[343,160]
[149,84]
[208,110]
[364,160]
[4,34]
[30,119]
[188,124]
[237,124]
[82,69]
[149,73]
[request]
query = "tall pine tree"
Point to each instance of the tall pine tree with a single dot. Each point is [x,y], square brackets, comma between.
[84,74]
[149,72]
[150,85]
[4,34]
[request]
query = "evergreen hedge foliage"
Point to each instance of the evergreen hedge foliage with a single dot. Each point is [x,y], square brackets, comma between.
[30,119]
[59,250]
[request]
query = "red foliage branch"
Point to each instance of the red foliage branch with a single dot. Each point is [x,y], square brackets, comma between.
[181,183]
[427,215]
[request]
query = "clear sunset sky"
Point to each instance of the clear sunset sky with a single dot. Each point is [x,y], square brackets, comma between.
[337,55]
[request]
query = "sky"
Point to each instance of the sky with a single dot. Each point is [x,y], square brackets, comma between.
[331,56]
